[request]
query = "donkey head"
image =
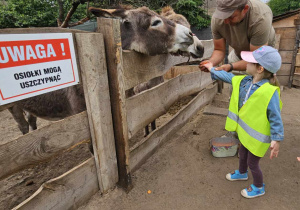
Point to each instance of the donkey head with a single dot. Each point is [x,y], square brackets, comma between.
[196,50]
[145,31]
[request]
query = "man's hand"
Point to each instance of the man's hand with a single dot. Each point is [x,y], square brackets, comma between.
[225,67]
[205,65]
[274,149]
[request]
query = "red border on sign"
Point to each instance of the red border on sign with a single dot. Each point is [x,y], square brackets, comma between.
[62,53]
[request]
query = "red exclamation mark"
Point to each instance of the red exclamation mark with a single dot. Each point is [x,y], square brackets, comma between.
[63,49]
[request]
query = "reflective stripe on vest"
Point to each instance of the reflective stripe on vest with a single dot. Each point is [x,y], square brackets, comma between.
[253,133]
[251,122]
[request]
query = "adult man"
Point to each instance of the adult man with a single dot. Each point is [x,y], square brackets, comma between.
[245,25]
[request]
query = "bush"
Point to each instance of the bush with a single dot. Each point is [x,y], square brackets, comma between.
[193,11]
[281,6]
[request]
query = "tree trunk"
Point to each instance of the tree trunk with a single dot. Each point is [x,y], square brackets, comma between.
[61,12]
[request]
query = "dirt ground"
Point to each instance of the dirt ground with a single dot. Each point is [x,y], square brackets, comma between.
[182,174]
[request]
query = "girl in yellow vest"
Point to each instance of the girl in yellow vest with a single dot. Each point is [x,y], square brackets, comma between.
[254,113]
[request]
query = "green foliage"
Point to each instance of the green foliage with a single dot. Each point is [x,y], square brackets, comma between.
[281,6]
[21,13]
[44,13]
[35,13]
[193,11]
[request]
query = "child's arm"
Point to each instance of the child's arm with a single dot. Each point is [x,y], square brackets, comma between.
[276,125]
[218,75]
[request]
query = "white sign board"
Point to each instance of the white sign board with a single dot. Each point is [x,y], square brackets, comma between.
[33,64]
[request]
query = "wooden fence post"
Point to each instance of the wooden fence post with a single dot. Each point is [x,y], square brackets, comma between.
[110,28]
[295,52]
[95,83]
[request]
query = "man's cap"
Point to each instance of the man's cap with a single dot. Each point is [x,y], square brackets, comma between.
[225,8]
[268,57]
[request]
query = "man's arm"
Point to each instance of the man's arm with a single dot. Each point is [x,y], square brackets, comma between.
[239,65]
[218,54]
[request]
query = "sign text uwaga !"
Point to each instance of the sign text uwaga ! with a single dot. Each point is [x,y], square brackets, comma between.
[33,64]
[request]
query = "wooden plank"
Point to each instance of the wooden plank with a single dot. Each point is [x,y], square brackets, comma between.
[67,191]
[144,149]
[296,77]
[286,56]
[287,44]
[286,22]
[178,70]
[95,83]
[110,28]
[42,144]
[283,80]
[139,68]
[297,69]
[277,41]
[141,110]
[213,110]
[208,48]
[296,83]
[286,33]
[297,21]
[285,70]
[297,60]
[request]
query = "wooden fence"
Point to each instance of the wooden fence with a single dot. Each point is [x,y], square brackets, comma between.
[110,120]
[127,69]
[99,172]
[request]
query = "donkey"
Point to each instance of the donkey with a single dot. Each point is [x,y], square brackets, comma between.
[196,50]
[139,27]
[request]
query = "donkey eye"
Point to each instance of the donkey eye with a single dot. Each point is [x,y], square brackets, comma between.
[156,22]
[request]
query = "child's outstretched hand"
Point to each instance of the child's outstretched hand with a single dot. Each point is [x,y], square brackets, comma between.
[205,65]
[274,149]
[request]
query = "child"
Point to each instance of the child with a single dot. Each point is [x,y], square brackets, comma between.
[254,113]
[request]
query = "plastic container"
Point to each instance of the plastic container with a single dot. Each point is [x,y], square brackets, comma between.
[224,147]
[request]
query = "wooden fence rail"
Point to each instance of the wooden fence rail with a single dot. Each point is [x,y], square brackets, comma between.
[67,191]
[42,144]
[142,109]
[144,149]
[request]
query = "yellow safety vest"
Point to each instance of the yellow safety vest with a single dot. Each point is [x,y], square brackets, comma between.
[251,122]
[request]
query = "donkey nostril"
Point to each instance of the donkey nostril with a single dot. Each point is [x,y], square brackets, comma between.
[200,48]
[191,33]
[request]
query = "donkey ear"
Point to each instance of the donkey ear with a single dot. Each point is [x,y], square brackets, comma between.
[108,12]
[166,11]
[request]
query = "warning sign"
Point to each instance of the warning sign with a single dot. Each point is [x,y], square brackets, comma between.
[33,64]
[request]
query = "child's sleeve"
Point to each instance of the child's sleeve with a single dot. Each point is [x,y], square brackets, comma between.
[274,117]
[221,75]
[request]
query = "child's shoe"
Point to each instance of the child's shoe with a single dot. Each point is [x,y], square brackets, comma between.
[236,175]
[252,191]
